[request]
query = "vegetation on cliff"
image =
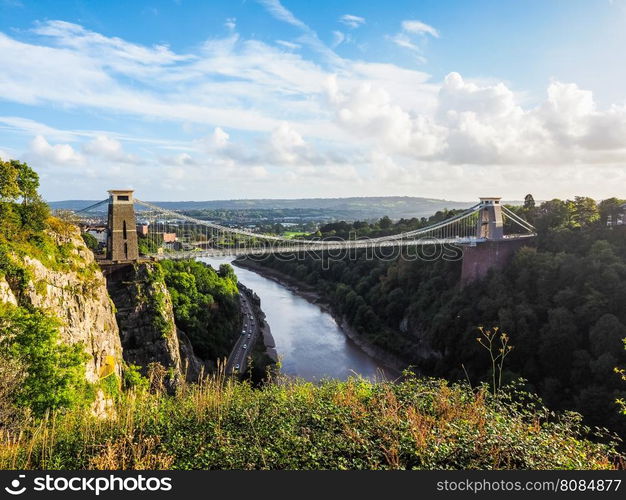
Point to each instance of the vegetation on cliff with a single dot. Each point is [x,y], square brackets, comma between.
[562,303]
[51,373]
[291,424]
[205,303]
[27,229]
[47,373]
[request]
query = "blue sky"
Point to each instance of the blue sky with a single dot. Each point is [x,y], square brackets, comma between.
[184,99]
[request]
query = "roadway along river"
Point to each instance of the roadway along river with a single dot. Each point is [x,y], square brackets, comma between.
[308,340]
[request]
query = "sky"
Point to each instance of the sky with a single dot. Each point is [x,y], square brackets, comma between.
[199,100]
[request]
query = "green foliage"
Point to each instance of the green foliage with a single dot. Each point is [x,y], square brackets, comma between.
[9,188]
[91,242]
[12,375]
[26,229]
[206,305]
[110,386]
[148,246]
[133,379]
[55,371]
[357,424]
[19,182]
[562,303]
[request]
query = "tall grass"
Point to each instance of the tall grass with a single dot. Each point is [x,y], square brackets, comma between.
[221,423]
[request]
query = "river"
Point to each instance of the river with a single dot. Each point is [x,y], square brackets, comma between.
[308,340]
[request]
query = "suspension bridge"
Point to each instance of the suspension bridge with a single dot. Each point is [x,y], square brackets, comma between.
[488,232]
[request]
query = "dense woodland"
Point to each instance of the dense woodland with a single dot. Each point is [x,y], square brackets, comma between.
[562,302]
[206,305]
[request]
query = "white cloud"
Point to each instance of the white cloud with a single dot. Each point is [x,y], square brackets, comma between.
[231,24]
[120,55]
[352,21]
[310,38]
[485,124]
[338,38]
[32,127]
[219,138]
[289,45]
[368,112]
[61,154]
[4,156]
[271,116]
[109,149]
[412,37]
[418,27]
[287,145]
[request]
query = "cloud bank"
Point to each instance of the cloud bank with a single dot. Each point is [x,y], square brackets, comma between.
[267,119]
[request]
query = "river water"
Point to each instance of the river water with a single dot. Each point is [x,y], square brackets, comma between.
[309,342]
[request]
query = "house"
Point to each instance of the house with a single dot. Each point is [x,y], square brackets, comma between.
[142,229]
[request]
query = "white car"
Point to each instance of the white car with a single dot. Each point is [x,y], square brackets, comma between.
[245,346]
[236,367]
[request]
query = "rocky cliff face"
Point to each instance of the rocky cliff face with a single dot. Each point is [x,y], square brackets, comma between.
[126,317]
[78,297]
[146,321]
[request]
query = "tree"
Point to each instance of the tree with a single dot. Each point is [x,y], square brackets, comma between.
[34,213]
[27,181]
[552,214]
[18,180]
[9,187]
[55,371]
[606,335]
[610,207]
[91,242]
[585,211]
[529,202]
[385,222]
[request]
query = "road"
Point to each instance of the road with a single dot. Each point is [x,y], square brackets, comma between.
[238,358]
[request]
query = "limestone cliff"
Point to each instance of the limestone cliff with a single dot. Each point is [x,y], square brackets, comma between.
[74,292]
[146,321]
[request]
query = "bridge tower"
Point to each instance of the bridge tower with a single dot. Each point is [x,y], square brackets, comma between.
[496,251]
[122,226]
[490,224]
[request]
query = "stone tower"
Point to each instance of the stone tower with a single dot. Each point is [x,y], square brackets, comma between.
[122,237]
[490,224]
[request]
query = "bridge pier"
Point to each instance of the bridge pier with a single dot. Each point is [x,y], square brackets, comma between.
[480,259]
[496,251]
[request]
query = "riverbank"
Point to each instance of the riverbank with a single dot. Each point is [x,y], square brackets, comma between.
[392,364]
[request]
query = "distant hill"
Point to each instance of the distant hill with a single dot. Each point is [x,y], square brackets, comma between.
[395,207]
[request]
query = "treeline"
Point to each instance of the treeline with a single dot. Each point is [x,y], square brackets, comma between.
[382,227]
[206,305]
[562,302]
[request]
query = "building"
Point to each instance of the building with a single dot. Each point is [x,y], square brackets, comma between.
[167,237]
[142,229]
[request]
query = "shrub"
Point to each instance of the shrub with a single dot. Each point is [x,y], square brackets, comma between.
[55,371]
[292,424]
[91,242]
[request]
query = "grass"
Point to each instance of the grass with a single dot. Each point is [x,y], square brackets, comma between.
[294,234]
[291,424]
